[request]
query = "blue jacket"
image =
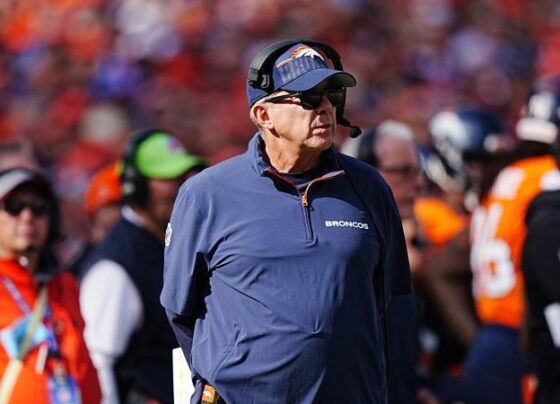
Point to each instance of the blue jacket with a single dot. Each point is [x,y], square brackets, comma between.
[282,288]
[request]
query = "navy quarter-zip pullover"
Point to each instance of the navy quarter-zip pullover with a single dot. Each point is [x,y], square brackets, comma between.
[276,286]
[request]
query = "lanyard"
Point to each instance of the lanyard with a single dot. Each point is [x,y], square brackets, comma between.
[16,295]
[27,310]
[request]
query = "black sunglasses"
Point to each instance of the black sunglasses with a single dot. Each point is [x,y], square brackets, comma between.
[14,207]
[406,171]
[312,99]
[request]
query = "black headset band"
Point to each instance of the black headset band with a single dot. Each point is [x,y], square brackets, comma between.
[260,69]
[366,148]
[133,182]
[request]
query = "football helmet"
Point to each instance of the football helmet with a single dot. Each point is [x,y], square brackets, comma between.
[540,117]
[459,135]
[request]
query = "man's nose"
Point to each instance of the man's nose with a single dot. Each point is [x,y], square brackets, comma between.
[26,213]
[325,103]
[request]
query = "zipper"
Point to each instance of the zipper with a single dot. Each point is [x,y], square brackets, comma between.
[304,197]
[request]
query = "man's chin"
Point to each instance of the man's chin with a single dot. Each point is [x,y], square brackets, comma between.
[320,142]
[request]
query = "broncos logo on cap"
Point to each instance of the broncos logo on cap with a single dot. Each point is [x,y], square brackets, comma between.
[299,52]
[304,50]
[298,61]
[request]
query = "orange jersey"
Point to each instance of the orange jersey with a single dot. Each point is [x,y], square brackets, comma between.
[67,323]
[438,221]
[497,236]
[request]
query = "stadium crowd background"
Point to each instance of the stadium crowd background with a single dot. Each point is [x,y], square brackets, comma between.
[77,76]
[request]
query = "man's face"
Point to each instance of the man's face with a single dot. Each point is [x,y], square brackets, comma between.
[400,166]
[28,230]
[103,221]
[162,197]
[481,173]
[305,129]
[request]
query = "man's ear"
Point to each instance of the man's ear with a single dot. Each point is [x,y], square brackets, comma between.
[261,115]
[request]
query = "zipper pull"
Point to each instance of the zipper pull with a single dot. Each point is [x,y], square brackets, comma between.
[304,200]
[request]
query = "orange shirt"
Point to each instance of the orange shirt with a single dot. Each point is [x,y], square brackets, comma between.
[31,387]
[497,236]
[438,221]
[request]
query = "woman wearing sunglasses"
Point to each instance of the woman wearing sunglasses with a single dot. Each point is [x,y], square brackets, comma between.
[43,358]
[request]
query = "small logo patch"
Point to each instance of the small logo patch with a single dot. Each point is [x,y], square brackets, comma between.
[168,233]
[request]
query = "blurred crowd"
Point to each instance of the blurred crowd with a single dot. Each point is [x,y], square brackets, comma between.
[77,76]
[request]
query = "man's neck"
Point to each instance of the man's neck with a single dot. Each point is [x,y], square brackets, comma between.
[287,158]
[142,218]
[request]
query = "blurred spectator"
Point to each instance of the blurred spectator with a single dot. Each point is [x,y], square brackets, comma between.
[541,249]
[103,201]
[127,332]
[439,219]
[470,146]
[40,320]
[392,150]
[103,207]
[542,286]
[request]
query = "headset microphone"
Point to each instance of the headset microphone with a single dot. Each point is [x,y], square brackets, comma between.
[353,130]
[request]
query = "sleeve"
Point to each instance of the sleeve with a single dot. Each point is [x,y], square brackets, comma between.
[185,274]
[109,326]
[183,327]
[401,315]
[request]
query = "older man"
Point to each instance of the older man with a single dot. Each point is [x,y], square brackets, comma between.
[391,148]
[282,264]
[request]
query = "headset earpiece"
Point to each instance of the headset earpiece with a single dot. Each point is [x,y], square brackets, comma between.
[366,148]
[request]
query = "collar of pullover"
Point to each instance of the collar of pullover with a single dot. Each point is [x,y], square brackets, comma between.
[262,165]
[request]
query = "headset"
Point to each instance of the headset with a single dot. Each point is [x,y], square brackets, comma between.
[366,148]
[134,184]
[260,71]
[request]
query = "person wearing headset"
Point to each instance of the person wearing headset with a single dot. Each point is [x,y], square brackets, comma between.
[391,148]
[43,356]
[284,266]
[127,333]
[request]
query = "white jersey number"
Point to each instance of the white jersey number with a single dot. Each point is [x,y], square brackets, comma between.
[493,269]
